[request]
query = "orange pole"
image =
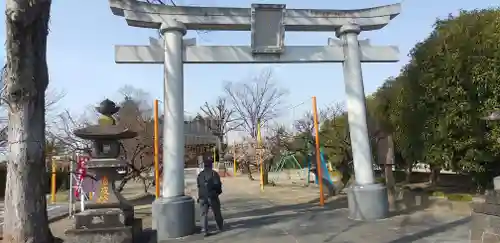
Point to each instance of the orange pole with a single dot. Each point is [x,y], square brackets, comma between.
[156,150]
[318,158]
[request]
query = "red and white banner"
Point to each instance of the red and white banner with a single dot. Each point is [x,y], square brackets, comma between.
[81,172]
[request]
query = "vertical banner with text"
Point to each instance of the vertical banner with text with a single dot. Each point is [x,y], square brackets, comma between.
[81,182]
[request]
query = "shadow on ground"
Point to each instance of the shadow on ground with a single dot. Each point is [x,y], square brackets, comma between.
[266,210]
[432,231]
[254,219]
[314,227]
[143,199]
[239,222]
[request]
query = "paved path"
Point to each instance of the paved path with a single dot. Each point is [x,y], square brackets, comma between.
[250,218]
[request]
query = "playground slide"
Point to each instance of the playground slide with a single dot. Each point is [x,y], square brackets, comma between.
[327,180]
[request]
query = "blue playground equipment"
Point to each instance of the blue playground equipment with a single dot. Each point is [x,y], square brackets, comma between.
[327,180]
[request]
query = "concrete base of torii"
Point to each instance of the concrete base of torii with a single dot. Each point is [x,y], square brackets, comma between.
[173,217]
[368,202]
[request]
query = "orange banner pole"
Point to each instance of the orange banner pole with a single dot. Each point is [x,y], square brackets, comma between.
[318,158]
[234,159]
[53,188]
[259,149]
[156,150]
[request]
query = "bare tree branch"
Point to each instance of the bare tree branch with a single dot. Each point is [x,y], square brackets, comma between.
[220,116]
[61,130]
[257,100]
[136,115]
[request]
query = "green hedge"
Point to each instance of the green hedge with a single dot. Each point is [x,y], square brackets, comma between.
[62,181]
[463,197]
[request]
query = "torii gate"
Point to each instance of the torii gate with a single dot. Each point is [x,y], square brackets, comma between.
[174,212]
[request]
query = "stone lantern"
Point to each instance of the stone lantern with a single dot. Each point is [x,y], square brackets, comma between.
[485,216]
[110,215]
[494,116]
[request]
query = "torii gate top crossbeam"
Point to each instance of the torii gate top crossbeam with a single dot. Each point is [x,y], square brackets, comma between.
[147,15]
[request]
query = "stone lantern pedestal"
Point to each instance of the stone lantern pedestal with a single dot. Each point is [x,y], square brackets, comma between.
[485,222]
[110,217]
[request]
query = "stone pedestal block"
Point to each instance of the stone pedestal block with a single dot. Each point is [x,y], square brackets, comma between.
[485,228]
[485,225]
[496,183]
[368,202]
[104,225]
[173,217]
[105,171]
[102,218]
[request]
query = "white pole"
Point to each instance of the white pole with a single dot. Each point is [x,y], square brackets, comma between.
[200,164]
[356,105]
[71,190]
[80,186]
[173,132]
[82,200]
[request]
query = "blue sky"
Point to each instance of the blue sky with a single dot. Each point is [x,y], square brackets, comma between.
[81,54]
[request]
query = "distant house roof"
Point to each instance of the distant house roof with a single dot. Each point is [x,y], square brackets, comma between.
[197,131]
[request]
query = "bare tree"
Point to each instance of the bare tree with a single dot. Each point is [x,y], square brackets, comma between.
[305,124]
[304,136]
[61,130]
[245,155]
[221,116]
[135,114]
[256,101]
[52,97]
[142,99]
[249,155]
[26,78]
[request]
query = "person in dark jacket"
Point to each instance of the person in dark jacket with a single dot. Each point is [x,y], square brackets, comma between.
[209,189]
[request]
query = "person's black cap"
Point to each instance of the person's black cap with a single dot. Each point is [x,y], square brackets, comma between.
[208,161]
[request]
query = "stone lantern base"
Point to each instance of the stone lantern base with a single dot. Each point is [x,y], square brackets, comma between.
[485,223]
[104,225]
[110,218]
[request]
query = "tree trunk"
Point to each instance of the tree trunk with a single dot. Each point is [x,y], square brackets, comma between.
[267,167]
[26,79]
[408,171]
[265,178]
[434,176]
[248,169]
[389,174]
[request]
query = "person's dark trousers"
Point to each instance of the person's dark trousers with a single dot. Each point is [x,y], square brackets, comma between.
[214,204]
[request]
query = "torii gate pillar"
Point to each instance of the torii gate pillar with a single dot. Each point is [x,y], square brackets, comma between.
[367,200]
[173,212]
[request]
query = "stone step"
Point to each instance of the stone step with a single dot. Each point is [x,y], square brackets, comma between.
[101,235]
